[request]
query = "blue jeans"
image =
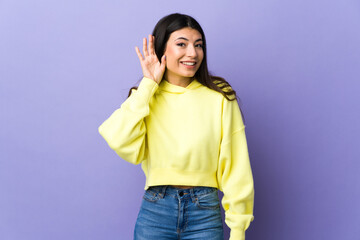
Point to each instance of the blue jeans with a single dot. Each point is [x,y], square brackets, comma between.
[168,213]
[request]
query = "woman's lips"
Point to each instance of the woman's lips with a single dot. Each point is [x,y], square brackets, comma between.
[188,66]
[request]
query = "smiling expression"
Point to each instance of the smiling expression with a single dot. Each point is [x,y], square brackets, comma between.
[184,54]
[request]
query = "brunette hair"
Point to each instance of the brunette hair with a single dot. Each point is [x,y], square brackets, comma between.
[177,21]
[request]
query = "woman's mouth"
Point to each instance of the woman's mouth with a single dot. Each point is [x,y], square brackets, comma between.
[188,64]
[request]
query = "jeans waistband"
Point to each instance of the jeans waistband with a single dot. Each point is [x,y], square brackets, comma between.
[194,192]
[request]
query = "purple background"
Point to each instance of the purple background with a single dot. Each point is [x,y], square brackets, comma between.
[65,66]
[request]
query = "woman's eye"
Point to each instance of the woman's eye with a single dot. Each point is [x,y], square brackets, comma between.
[183,44]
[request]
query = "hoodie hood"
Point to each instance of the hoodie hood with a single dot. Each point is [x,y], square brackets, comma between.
[172,88]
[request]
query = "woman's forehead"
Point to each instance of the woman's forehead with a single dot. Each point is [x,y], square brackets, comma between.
[187,33]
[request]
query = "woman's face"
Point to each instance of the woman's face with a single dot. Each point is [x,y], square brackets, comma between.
[184,54]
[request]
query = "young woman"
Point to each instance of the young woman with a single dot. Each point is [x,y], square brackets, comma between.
[186,129]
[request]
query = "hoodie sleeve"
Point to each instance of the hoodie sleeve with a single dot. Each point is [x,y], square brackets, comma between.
[125,129]
[234,172]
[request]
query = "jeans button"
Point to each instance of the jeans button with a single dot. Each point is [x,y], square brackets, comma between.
[181,194]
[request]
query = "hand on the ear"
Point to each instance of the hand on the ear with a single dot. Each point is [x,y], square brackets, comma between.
[150,64]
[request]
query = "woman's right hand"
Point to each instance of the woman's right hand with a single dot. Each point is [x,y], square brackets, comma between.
[150,64]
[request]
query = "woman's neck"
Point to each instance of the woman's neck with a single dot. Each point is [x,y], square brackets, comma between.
[179,81]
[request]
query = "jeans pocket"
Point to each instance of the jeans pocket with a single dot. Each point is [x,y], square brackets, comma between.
[151,196]
[208,201]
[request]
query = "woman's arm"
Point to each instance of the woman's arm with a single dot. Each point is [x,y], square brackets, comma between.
[234,173]
[125,129]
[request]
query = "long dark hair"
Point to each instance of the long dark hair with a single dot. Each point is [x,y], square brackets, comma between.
[177,21]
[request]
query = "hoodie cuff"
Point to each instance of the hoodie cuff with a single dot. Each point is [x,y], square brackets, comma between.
[236,234]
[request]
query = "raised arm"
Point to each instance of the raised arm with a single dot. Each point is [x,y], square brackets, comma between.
[125,129]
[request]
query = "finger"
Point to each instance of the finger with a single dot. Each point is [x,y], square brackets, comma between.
[145,50]
[151,44]
[139,53]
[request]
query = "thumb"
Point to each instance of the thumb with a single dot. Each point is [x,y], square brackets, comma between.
[163,61]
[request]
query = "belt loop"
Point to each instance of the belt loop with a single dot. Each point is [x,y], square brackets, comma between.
[193,197]
[163,190]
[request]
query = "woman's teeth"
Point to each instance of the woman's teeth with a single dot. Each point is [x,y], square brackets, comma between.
[188,63]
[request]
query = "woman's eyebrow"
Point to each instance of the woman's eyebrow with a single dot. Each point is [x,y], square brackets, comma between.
[187,39]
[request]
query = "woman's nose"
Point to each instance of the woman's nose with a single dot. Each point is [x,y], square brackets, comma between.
[191,51]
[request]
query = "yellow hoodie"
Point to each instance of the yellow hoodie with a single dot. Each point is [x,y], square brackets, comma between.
[187,136]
